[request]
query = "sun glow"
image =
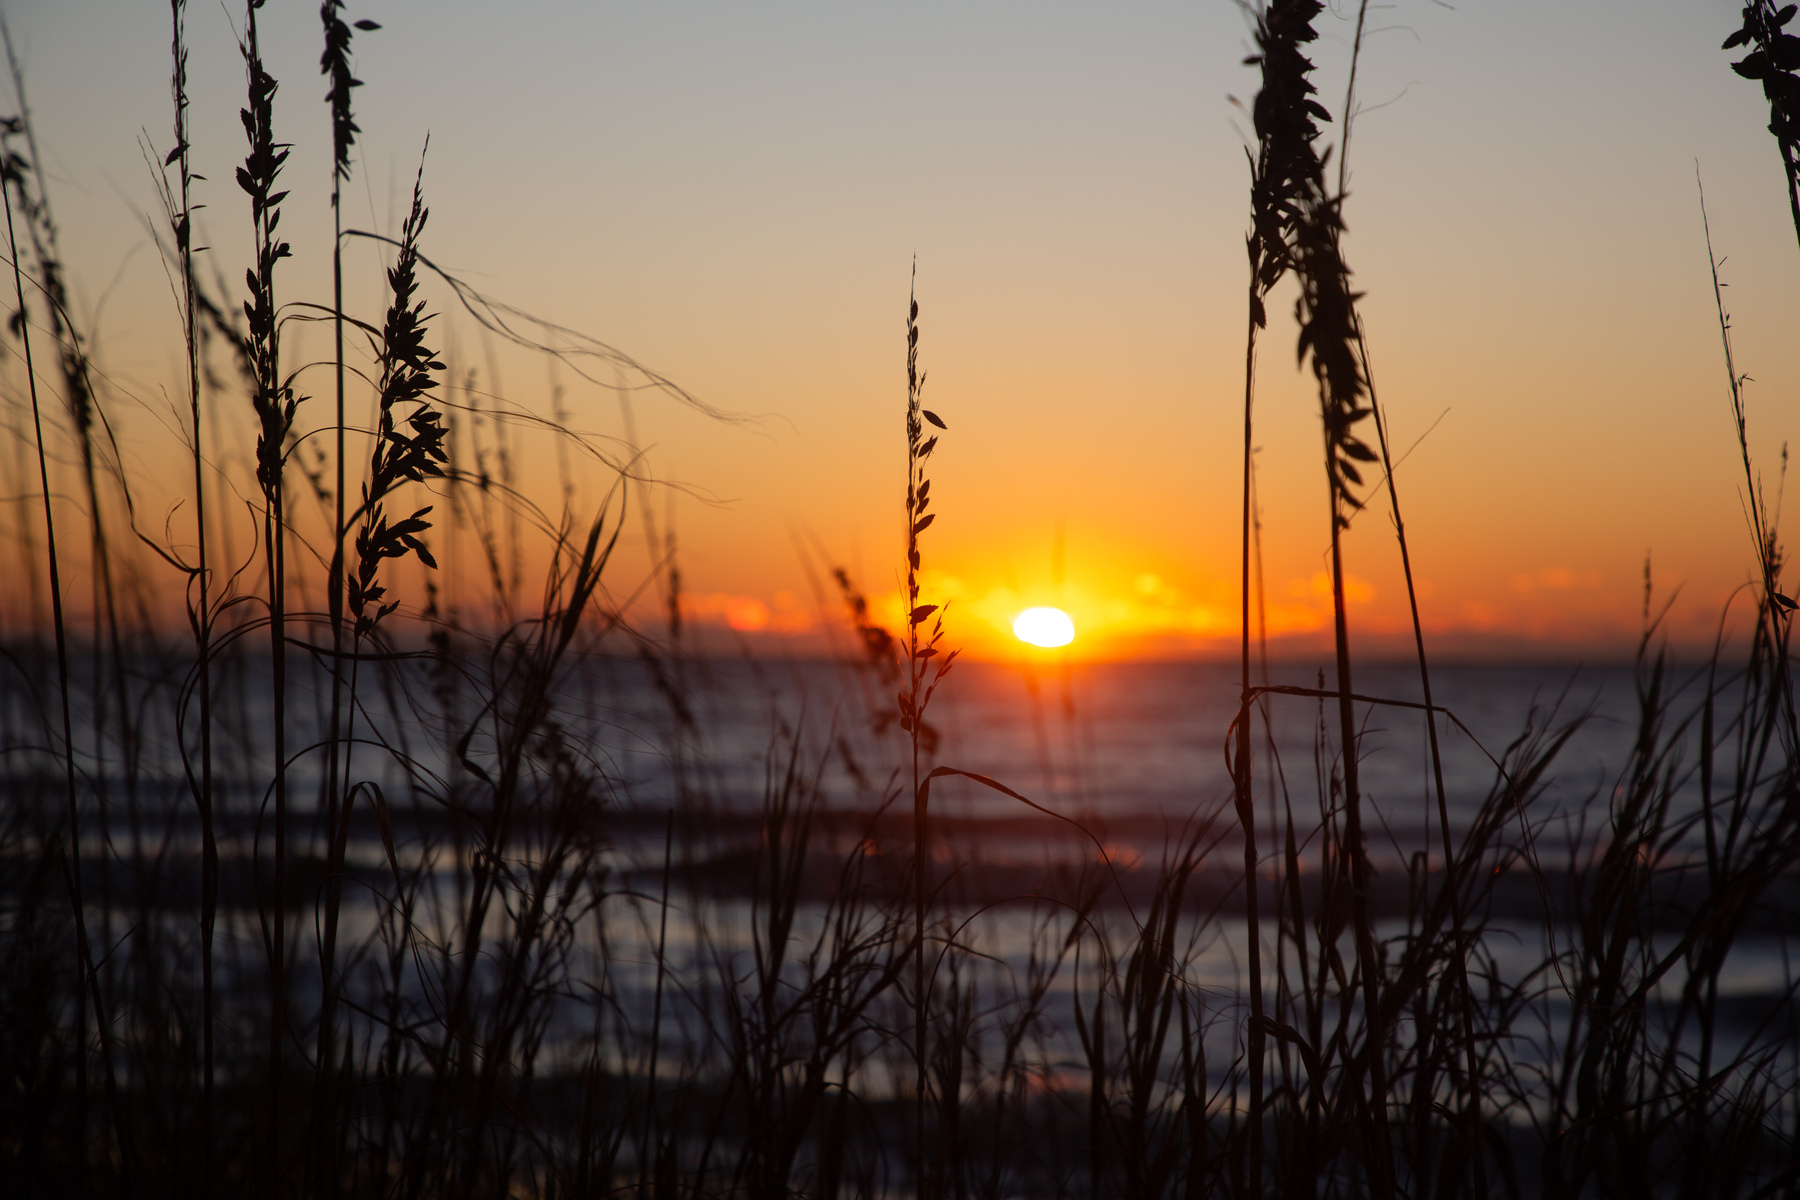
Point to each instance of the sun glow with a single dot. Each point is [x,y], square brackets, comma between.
[1047,627]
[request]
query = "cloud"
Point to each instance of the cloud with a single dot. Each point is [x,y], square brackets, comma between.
[1356,590]
[748,614]
[1555,579]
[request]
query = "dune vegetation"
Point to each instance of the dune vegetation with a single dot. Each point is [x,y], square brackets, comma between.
[334,888]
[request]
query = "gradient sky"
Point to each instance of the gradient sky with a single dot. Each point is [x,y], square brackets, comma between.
[734,195]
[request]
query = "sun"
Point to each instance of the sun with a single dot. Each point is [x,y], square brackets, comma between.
[1047,627]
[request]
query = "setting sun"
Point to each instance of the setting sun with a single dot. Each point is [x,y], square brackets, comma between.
[1047,627]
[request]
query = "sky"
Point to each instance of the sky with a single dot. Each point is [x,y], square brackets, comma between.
[736,196]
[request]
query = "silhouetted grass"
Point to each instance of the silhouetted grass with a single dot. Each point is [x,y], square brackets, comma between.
[1774,61]
[379,915]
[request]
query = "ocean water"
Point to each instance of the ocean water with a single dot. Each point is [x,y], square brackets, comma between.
[1130,743]
[1136,753]
[1133,754]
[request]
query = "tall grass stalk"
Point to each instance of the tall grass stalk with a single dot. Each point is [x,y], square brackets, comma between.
[179,207]
[274,403]
[71,850]
[113,699]
[1774,607]
[83,404]
[1296,225]
[1283,114]
[1326,311]
[1472,1081]
[1471,1086]
[1775,63]
[335,65]
[922,679]
[408,447]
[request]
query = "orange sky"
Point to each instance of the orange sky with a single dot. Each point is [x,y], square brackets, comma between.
[736,198]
